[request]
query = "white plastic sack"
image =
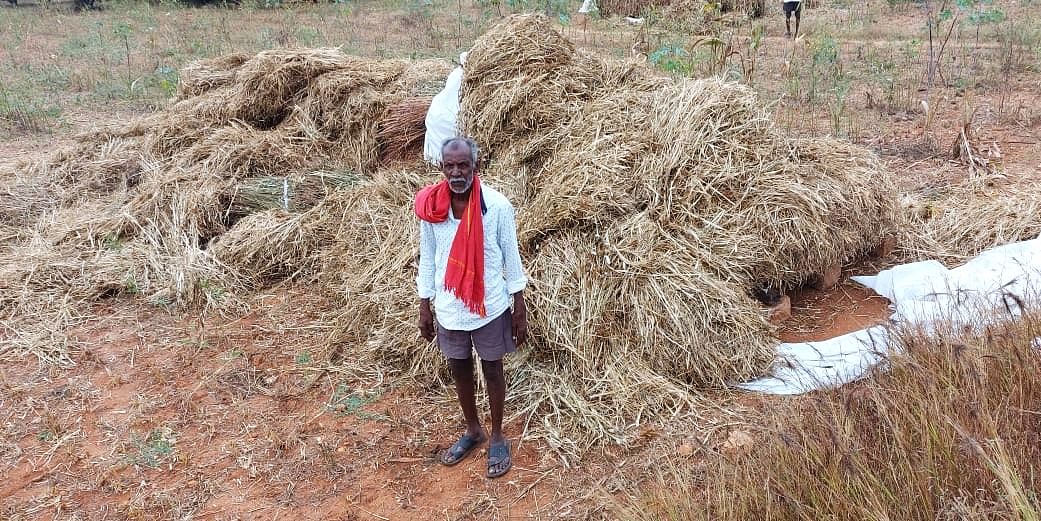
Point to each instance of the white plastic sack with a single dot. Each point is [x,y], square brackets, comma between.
[588,6]
[442,117]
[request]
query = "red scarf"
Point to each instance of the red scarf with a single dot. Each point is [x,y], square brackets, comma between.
[464,275]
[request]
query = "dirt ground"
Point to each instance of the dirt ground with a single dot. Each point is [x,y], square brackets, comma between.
[219,417]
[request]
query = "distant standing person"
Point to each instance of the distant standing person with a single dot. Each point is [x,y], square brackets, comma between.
[790,7]
[470,266]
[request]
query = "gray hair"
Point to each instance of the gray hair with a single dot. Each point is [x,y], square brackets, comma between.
[475,152]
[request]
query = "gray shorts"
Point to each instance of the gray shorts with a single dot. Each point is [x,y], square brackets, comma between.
[492,340]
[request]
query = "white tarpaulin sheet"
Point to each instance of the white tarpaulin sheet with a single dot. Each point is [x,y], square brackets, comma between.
[996,282]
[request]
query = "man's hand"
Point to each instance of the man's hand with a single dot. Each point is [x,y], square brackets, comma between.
[520,319]
[426,320]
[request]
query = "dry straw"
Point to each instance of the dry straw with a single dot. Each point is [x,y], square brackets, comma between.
[960,225]
[630,7]
[403,130]
[647,208]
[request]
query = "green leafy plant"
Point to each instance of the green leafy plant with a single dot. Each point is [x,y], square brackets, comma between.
[672,59]
[153,449]
[345,401]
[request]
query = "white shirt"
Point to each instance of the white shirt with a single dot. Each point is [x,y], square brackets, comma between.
[503,273]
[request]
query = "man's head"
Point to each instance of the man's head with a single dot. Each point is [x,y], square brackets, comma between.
[459,163]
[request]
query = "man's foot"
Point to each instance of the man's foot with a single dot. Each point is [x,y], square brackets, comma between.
[787,34]
[464,446]
[499,461]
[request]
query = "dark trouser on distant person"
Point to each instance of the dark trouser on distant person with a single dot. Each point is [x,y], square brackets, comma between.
[789,9]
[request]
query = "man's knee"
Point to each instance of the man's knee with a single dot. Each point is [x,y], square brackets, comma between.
[461,366]
[493,372]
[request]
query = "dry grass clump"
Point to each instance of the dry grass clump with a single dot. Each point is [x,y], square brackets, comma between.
[205,75]
[629,7]
[965,223]
[948,431]
[403,130]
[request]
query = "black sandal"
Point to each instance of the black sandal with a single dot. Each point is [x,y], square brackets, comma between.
[499,454]
[460,450]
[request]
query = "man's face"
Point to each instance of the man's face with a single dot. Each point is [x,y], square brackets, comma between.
[458,168]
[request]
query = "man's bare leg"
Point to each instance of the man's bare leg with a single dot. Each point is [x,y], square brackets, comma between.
[496,383]
[798,15]
[463,375]
[788,25]
[499,460]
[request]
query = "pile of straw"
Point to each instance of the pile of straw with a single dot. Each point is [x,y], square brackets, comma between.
[144,201]
[629,7]
[960,225]
[647,209]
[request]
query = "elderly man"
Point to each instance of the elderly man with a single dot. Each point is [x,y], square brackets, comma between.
[470,266]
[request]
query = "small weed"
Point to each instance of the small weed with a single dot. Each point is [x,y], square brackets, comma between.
[308,36]
[24,111]
[165,79]
[153,449]
[130,285]
[303,358]
[214,292]
[345,401]
[232,354]
[672,59]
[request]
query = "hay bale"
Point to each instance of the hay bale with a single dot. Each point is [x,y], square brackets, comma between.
[403,129]
[267,247]
[267,83]
[292,193]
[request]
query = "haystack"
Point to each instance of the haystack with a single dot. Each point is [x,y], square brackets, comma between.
[648,208]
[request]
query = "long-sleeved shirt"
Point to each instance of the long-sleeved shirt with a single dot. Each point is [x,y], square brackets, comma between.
[503,273]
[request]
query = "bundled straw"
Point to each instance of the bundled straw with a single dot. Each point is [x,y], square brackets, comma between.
[205,75]
[403,129]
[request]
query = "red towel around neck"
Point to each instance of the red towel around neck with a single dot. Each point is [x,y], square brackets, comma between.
[464,275]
